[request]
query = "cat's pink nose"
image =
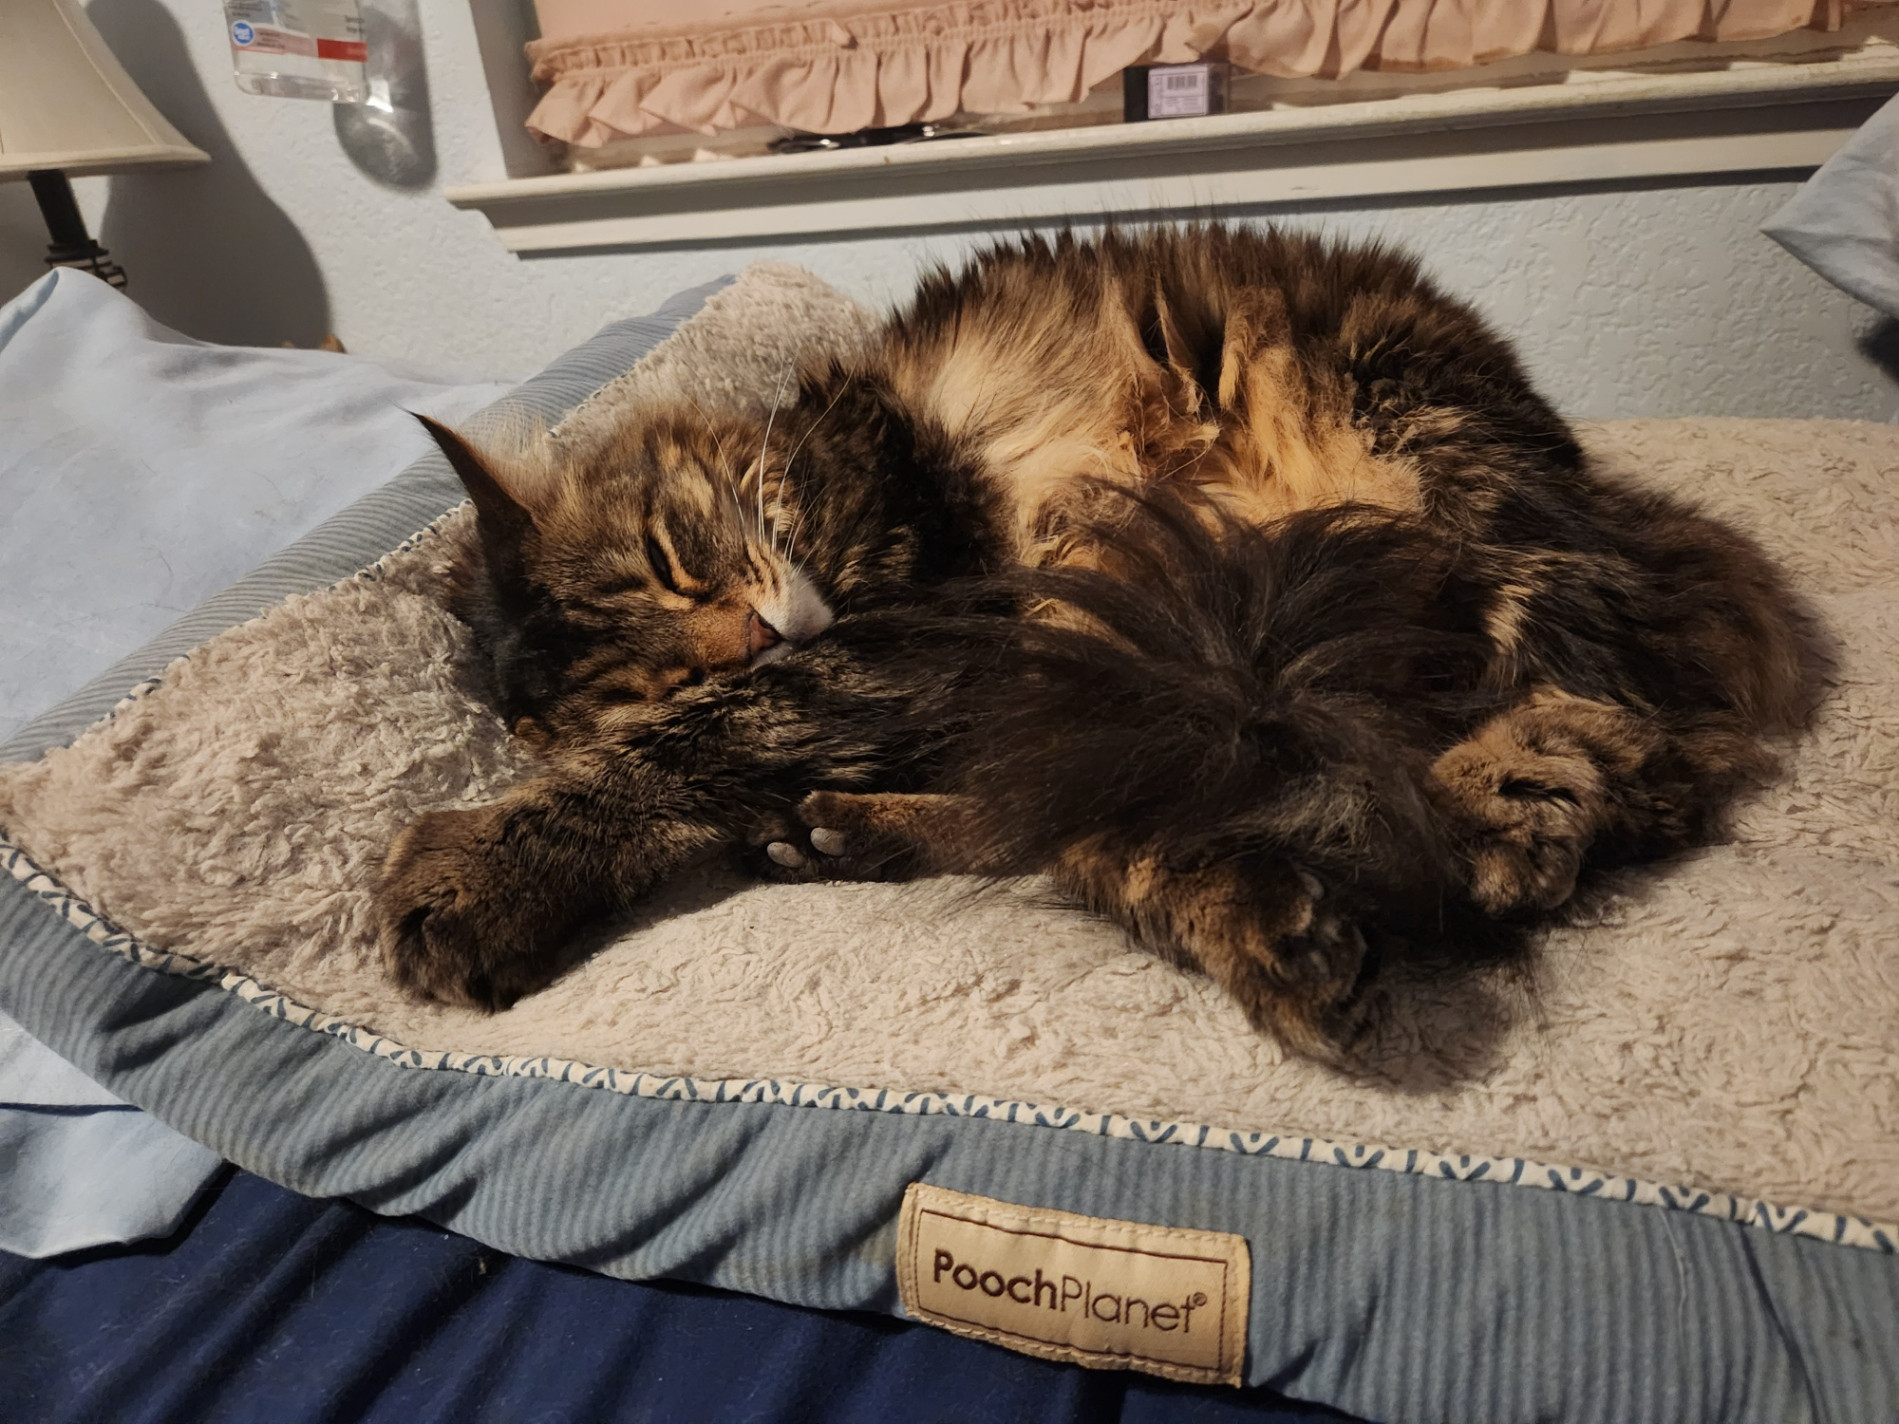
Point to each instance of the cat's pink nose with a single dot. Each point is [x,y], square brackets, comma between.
[759,635]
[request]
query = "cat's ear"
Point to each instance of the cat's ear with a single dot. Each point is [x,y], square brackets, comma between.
[503,520]
[493,502]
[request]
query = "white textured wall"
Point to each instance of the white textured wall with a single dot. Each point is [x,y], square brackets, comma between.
[1658,301]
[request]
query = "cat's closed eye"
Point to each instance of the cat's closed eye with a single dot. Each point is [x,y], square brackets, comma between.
[667,571]
[627,583]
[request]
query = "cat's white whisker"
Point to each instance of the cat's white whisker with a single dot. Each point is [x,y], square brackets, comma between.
[784,497]
[764,446]
[797,449]
[725,460]
[811,429]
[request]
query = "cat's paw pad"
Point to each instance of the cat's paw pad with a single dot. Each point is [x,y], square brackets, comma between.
[1532,819]
[828,842]
[796,854]
[786,856]
[783,860]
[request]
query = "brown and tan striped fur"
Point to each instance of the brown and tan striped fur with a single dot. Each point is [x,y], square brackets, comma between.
[1239,581]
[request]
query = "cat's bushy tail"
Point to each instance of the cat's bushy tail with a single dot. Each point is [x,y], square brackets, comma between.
[1206,691]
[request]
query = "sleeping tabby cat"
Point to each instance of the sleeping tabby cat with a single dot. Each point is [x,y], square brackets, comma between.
[1237,580]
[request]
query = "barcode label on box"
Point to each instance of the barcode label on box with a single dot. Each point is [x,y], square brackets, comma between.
[1182,91]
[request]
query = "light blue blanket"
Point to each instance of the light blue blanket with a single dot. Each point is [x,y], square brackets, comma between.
[141,472]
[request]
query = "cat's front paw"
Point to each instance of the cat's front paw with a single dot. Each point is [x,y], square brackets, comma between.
[453,926]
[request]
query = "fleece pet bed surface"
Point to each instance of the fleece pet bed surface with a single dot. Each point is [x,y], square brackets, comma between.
[1655,1180]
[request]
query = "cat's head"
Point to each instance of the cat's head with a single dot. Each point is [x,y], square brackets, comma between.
[612,575]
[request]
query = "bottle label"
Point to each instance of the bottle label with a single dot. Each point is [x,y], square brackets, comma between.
[265,32]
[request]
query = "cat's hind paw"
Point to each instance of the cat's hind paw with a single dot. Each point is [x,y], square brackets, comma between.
[1532,818]
[1265,930]
[1290,956]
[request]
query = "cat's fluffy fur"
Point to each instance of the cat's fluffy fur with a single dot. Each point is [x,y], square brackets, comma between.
[1238,580]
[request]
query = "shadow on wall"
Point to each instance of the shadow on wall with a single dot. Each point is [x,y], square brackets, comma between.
[1879,343]
[205,249]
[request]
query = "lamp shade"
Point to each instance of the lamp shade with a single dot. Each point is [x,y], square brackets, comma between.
[67,103]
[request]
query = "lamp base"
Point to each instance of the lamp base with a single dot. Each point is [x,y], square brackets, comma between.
[72,245]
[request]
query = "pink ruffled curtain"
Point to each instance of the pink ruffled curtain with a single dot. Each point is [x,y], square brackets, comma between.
[622,68]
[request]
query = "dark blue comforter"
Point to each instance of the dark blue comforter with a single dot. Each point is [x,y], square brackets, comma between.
[271,1308]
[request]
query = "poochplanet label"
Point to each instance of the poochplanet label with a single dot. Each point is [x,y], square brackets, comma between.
[1110,1294]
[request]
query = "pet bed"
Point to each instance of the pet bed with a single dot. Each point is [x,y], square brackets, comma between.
[1654,1182]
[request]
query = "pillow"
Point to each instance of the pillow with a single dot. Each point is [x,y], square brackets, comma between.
[1844,220]
[1656,1183]
[142,471]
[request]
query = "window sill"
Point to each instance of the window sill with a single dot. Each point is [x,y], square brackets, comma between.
[1602,127]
